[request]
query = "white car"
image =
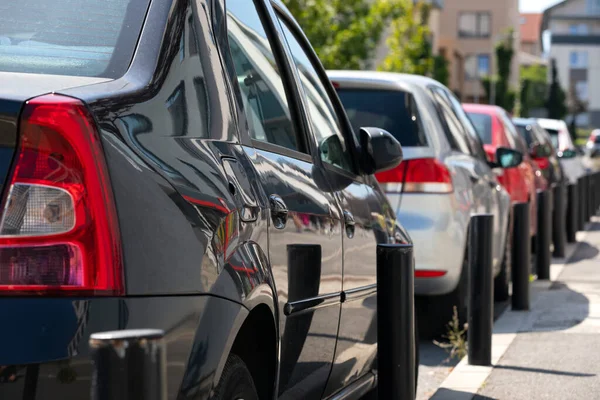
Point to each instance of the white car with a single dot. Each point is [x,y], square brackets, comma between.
[572,162]
[444,179]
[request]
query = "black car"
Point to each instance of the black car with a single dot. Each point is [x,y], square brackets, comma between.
[541,149]
[184,165]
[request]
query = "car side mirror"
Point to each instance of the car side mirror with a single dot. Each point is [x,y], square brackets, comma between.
[380,151]
[569,153]
[508,158]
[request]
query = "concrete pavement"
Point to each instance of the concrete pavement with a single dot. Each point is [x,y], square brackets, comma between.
[551,351]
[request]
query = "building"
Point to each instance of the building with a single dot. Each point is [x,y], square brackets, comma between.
[531,35]
[468,33]
[574,27]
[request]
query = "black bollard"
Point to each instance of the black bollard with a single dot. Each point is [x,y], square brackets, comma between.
[395,322]
[586,198]
[559,234]
[572,212]
[521,266]
[591,200]
[580,211]
[481,290]
[544,233]
[129,365]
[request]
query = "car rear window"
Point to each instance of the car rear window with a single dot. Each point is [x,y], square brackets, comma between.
[525,134]
[483,126]
[553,136]
[70,37]
[392,110]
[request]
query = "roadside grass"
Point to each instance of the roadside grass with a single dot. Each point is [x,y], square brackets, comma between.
[456,339]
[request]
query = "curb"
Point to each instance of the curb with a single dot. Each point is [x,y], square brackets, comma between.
[465,380]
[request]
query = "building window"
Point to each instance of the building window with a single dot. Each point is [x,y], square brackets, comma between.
[477,66]
[593,6]
[483,65]
[474,24]
[581,90]
[578,59]
[578,29]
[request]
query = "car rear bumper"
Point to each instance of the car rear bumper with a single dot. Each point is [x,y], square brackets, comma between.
[438,229]
[46,341]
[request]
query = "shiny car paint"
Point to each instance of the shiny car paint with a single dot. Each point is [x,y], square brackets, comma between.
[203,259]
[438,223]
[521,182]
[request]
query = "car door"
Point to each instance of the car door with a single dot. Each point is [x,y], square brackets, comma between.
[305,236]
[357,339]
[485,187]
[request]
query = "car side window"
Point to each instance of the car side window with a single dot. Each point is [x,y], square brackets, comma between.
[475,143]
[325,124]
[452,122]
[511,131]
[263,93]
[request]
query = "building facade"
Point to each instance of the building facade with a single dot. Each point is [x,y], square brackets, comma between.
[531,35]
[469,31]
[574,27]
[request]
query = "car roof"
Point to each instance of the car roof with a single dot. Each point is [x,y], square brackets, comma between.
[524,121]
[391,80]
[482,108]
[555,124]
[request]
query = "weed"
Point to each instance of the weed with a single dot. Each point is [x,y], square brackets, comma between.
[456,336]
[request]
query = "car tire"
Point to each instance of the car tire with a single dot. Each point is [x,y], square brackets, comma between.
[236,382]
[435,312]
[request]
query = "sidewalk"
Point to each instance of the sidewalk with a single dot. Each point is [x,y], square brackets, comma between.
[550,352]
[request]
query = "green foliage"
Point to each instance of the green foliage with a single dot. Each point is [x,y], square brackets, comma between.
[534,88]
[504,97]
[441,73]
[345,33]
[409,44]
[556,101]
[456,336]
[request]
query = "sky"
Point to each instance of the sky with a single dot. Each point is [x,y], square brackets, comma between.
[536,5]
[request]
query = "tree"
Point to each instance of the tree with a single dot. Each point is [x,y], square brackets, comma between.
[440,69]
[534,88]
[555,103]
[345,33]
[576,106]
[410,49]
[503,95]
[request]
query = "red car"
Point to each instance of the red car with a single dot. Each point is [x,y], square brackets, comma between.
[495,127]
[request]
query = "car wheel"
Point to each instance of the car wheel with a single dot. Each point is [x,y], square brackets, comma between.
[236,382]
[502,281]
[435,312]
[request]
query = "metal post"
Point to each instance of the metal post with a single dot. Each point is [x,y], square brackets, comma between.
[544,233]
[129,365]
[572,212]
[580,186]
[395,322]
[559,234]
[586,199]
[592,195]
[481,290]
[521,251]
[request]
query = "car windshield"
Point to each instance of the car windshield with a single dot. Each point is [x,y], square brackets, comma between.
[553,136]
[392,110]
[70,37]
[483,126]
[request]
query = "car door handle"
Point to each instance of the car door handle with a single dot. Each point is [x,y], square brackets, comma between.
[279,211]
[350,224]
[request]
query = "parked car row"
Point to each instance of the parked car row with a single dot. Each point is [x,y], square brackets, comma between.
[191,167]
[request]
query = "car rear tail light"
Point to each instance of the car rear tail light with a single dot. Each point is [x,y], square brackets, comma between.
[422,175]
[430,273]
[542,162]
[58,231]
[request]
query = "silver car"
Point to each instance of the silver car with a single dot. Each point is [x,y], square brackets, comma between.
[444,179]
